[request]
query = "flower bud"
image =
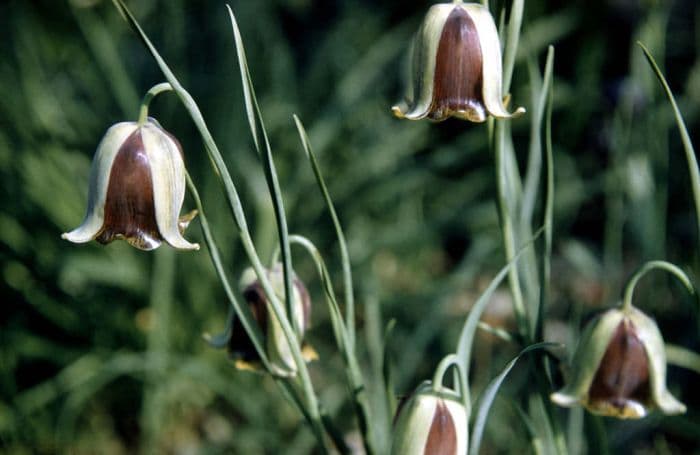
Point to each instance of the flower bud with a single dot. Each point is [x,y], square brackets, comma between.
[619,368]
[137,186]
[430,423]
[276,346]
[457,67]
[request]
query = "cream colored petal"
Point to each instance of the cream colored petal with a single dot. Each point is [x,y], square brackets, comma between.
[168,174]
[278,350]
[248,277]
[425,50]
[459,417]
[491,58]
[650,336]
[417,413]
[590,351]
[99,182]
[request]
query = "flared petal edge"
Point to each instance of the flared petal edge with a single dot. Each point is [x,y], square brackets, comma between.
[168,174]
[100,171]
[425,47]
[491,60]
[653,342]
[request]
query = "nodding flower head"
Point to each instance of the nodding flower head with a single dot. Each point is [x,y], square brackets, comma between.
[137,186]
[619,368]
[457,69]
[276,346]
[430,422]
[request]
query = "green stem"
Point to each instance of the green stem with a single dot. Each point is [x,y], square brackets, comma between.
[148,97]
[438,377]
[508,230]
[240,220]
[649,266]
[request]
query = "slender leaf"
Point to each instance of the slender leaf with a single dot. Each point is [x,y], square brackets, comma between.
[344,256]
[490,394]
[466,338]
[262,145]
[685,137]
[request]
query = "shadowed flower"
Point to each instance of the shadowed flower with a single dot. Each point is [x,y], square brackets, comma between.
[276,346]
[456,67]
[430,423]
[137,186]
[619,368]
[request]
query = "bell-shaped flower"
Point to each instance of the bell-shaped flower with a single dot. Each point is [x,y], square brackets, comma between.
[277,347]
[137,186]
[457,68]
[430,422]
[619,368]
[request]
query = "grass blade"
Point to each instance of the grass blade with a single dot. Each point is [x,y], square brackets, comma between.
[490,394]
[344,256]
[262,145]
[685,137]
[466,338]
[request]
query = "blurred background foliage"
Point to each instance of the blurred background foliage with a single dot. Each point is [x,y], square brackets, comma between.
[101,347]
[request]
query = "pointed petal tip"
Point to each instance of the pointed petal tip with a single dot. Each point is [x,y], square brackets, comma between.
[182,244]
[564,399]
[669,405]
[78,235]
[504,114]
[398,112]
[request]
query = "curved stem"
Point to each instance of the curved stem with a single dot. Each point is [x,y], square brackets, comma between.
[148,97]
[649,266]
[443,366]
[236,208]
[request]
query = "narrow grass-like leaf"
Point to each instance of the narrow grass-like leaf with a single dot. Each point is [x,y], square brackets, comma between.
[511,46]
[503,163]
[685,137]
[466,338]
[682,357]
[262,145]
[490,394]
[387,370]
[353,372]
[548,89]
[497,332]
[344,255]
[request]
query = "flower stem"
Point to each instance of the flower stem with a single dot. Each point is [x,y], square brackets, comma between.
[649,266]
[148,97]
[442,368]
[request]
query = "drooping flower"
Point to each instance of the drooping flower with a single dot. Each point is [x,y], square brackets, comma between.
[430,423]
[276,346]
[619,368]
[137,186]
[457,69]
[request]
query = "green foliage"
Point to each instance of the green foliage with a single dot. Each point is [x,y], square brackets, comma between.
[101,347]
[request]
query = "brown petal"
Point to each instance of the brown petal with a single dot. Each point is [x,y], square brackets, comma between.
[623,374]
[129,210]
[442,438]
[457,88]
[240,344]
